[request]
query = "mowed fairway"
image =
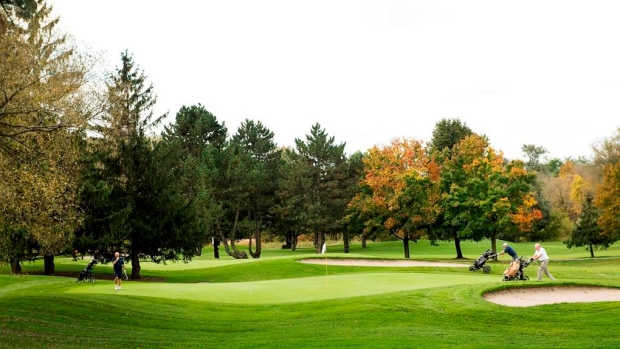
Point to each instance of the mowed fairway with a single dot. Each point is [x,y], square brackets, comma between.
[278,302]
[306,289]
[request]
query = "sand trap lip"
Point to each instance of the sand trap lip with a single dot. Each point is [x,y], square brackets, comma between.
[532,296]
[380,263]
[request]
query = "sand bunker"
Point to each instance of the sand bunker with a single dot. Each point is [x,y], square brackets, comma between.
[527,297]
[381,263]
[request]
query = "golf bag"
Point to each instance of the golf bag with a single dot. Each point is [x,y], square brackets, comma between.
[86,275]
[515,270]
[480,263]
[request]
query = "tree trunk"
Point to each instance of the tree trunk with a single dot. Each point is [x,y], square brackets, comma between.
[236,254]
[239,254]
[16,267]
[294,243]
[257,253]
[347,242]
[216,248]
[48,264]
[316,243]
[319,241]
[250,238]
[135,266]
[364,241]
[288,240]
[259,249]
[457,245]
[591,251]
[406,247]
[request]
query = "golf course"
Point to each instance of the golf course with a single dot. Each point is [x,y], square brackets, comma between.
[369,298]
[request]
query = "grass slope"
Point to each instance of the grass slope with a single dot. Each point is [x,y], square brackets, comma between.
[207,304]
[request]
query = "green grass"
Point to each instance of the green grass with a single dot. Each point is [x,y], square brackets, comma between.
[308,289]
[277,302]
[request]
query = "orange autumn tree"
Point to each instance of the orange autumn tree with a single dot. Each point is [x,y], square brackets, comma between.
[401,190]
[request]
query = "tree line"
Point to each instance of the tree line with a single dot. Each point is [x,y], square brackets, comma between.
[84,173]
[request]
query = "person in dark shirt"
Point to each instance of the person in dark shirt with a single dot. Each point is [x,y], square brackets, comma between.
[118,265]
[510,251]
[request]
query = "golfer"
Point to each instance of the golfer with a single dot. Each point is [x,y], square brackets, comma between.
[118,265]
[510,251]
[541,255]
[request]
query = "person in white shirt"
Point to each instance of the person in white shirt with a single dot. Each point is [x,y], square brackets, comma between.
[541,255]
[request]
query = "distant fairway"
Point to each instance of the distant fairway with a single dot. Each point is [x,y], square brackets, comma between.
[289,290]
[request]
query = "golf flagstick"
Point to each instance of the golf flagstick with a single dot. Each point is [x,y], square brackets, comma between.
[323,253]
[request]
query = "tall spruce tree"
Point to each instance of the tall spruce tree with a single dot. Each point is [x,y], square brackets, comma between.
[202,138]
[262,158]
[319,183]
[288,211]
[132,194]
[229,180]
[353,221]
[446,135]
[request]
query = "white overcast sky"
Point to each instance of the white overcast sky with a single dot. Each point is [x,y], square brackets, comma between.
[521,72]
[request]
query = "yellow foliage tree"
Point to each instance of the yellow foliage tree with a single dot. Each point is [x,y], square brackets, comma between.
[608,201]
[43,111]
[568,191]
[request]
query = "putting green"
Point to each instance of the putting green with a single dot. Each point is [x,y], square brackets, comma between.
[287,290]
